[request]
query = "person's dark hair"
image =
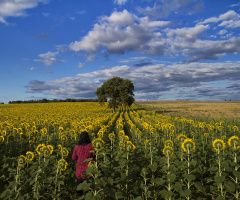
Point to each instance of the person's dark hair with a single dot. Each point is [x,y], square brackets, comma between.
[84,139]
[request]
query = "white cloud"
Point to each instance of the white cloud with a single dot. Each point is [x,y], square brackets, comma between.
[121,32]
[14,8]
[195,77]
[81,65]
[222,32]
[231,23]
[163,8]
[230,19]
[48,58]
[120,2]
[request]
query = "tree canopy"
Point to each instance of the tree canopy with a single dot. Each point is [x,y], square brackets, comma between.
[117,92]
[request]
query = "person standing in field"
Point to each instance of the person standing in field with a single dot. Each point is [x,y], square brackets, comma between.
[81,153]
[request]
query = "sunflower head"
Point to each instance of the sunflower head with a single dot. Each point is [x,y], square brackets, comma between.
[181,137]
[4,133]
[39,148]
[219,144]
[235,128]
[60,148]
[148,142]
[29,155]
[65,152]
[62,164]
[168,143]
[46,151]
[1,139]
[130,146]
[234,142]
[22,160]
[188,145]
[111,136]
[206,135]
[50,147]
[121,133]
[100,134]
[64,138]
[121,145]
[92,163]
[171,135]
[98,144]
[168,151]
[11,137]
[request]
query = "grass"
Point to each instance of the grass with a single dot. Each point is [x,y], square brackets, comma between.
[204,109]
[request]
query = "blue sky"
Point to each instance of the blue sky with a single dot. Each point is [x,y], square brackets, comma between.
[170,49]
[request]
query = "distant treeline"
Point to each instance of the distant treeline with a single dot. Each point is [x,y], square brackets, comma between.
[54,100]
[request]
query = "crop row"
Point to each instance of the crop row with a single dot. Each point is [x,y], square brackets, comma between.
[139,154]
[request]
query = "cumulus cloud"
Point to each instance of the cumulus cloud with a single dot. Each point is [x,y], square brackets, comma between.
[48,58]
[13,8]
[230,19]
[185,81]
[120,2]
[214,49]
[162,8]
[122,32]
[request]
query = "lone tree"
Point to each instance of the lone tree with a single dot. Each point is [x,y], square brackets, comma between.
[117,91]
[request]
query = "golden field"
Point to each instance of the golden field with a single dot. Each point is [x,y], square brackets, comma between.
[209,109]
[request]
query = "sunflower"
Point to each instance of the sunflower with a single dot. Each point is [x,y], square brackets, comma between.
[148,142]
[168,151]
[111,136]
[206,135]
[60,148]
[120,126]
[98,144]
[62,164]
[1,139]
[168,143]
[121,133]
[29,155]
[22,160]
[218,144]
[4,133]
[188,144]
[121,145]
[39,148]
[181,137]
[130,146]
[65,152]
[92,163]
[100,134]
[64,138]
[224,137]
[171,135]
[50,147]
[152,130]
[126,137]
[235,128]
[11,137]
[46,151]
[234,142]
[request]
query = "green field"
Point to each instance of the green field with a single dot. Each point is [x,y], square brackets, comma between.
[140,153]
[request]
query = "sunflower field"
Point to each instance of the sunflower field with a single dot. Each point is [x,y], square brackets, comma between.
[139,154]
